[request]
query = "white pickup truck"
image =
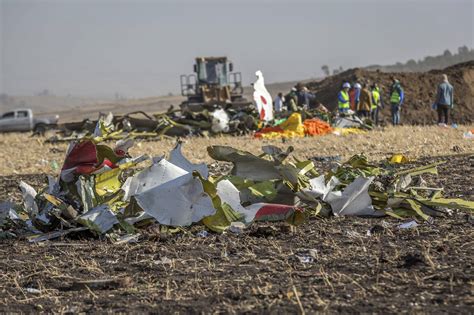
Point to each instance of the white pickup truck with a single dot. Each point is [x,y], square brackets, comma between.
[23,120]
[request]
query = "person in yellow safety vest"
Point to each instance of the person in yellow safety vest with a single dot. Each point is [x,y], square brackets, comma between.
[343,99]
[377,103]
[396,100]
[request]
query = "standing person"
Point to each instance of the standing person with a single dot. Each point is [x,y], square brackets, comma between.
[304,97]
[376,103]
[354,96]
[396,100]
[291,99]
[343,98]
[279,100]
[365,102]
[299,94]
[309,97]
[444,101]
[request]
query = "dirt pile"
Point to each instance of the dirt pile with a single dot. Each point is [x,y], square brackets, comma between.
[420,91]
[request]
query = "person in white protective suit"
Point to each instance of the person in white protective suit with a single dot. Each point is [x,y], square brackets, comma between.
[262,98]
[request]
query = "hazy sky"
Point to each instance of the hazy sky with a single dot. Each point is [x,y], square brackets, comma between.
[139,48]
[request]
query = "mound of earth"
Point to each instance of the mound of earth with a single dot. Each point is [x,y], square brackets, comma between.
[420,91]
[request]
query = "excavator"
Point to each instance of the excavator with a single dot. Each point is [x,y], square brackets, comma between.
[213,84]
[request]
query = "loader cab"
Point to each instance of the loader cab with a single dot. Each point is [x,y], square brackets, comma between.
[212,71]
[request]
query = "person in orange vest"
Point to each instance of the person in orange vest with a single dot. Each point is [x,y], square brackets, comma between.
[354,96]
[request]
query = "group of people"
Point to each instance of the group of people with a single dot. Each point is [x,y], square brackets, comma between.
[366,100]
[297,99]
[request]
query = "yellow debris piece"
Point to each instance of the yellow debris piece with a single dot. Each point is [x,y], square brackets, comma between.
[348,131]
[292,127]
[293,124]
[399,159]
[108,182]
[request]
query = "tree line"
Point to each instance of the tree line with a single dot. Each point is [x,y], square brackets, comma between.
[428,63]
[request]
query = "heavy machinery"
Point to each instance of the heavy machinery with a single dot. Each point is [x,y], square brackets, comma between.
[213,84]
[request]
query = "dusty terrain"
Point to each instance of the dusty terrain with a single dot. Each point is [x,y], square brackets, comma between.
[23,154]
[323,265]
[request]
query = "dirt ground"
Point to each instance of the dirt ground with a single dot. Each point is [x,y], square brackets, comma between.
[327,265]
[23,154]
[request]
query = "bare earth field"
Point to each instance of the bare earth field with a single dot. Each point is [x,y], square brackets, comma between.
[23,154]
[323,265]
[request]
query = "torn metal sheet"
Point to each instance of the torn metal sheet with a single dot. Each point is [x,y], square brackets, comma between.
[53,186]
[224,216]
[318,188]
[53,235]
[452,203]
[222,219]
[104,125]
[7,213]
[354,200]
[230,195]
[122,146]
[155,175]
[346,122]
[403,182]
[278,212]
[178,202]
[177,158]
[246,164]
[86,191]
[67,211]
[426,169]
[108,182]
[276,153]
[259,192]
[129,162]
[100,219]
[29,195]
[261,211]
[81,158]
